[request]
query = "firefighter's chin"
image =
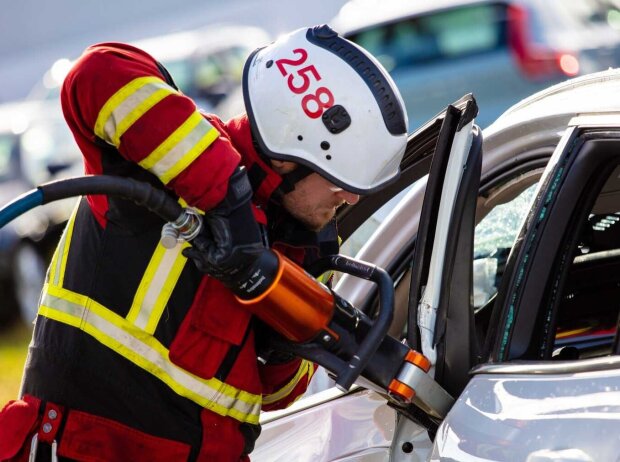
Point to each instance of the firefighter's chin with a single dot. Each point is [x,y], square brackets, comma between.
[314,201]
[313,218]
[314,207]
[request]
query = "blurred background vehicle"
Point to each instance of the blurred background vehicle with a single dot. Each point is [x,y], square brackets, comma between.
[35,147]
[501,51]
[206,63]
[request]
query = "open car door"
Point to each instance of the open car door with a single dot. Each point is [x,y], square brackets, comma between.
[440,309]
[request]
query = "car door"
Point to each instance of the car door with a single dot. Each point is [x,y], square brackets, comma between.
[359,424]
[550,387]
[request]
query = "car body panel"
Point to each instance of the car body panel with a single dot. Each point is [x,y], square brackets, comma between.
[533,408]
[534,418]
[356,425]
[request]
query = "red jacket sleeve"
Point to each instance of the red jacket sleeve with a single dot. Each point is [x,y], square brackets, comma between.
[284,383]
[116,94]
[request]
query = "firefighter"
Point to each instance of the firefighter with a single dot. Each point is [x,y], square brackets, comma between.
[137,354]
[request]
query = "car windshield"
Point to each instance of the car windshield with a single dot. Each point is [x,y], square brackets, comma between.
[499,228]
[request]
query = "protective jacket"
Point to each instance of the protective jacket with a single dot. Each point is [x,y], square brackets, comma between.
[136,351]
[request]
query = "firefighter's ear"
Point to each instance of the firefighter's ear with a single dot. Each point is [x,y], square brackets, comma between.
[283,167]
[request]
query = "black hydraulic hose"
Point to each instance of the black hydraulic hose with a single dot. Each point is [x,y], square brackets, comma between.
[156,200]
[381,324]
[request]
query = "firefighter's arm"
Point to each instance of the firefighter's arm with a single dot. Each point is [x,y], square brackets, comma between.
[284,377]
[119,95]
[284,383]
[116,94]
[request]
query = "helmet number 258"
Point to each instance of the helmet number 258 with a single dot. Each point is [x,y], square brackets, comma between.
[315,103]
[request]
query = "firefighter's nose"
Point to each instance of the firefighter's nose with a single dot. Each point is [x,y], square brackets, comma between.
[348,197]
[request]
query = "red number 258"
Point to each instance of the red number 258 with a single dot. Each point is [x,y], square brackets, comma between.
[299,82]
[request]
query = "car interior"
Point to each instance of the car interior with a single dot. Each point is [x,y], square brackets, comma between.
[588,314]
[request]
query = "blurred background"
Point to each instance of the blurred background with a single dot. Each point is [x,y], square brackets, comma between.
[436,51]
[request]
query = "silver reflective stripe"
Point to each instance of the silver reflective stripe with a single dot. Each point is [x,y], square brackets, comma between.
[156,287]
[181,148]
[127,105]
[184,146]
[146,352]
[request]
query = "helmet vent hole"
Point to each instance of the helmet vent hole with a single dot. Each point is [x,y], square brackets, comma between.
[328,157]
[269,63]
[324,145]
[300,138]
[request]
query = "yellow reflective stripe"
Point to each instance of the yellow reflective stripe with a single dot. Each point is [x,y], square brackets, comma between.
[58,264]
[185,205]
[324,278]
[147,352]
[158,282]
[305,368]
[181,148]
[127,105]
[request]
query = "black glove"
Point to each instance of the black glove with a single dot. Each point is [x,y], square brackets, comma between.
[230,246]
[271,347]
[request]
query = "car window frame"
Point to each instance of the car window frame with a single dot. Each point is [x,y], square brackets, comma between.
[562,179]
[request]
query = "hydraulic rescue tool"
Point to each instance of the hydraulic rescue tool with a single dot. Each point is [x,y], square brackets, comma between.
[317,324]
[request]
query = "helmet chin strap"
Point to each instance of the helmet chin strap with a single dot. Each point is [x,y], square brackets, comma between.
[289,180]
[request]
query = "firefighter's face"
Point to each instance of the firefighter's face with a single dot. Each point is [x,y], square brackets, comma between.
[314,200]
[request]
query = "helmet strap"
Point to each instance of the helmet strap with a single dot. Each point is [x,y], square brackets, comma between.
[289,180]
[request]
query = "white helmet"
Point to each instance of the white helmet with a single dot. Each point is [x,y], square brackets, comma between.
[315,98]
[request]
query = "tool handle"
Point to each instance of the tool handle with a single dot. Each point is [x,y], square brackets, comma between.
[352,370]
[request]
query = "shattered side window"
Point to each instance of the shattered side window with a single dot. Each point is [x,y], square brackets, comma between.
[494,237]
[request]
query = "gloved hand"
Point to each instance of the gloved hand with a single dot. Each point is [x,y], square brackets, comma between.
[230,246]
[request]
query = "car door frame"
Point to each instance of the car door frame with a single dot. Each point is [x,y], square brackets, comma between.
[528,270]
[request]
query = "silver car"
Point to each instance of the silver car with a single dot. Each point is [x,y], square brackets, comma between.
[523,272]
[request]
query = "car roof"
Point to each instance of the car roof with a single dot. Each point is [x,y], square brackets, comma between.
[553,108]
[596,92]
